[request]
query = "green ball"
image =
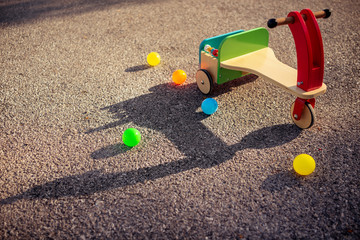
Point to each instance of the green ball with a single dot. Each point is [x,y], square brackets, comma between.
[131,137]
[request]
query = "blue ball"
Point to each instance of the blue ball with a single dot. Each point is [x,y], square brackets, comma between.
[209,106]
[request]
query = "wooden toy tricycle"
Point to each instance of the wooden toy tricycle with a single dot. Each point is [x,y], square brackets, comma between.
[235,54]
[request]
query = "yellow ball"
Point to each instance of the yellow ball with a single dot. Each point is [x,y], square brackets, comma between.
[179,76]
[153,59]
[304,164]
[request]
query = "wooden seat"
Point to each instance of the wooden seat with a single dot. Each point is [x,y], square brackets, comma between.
[264,63]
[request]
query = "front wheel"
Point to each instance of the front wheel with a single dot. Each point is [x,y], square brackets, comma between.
[204,81]
[307,116]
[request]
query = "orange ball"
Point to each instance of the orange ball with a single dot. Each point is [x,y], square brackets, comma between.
[179,76]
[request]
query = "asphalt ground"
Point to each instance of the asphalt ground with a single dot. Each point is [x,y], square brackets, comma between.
[74,77]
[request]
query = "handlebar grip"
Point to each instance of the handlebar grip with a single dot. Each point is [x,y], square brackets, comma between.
[288,20]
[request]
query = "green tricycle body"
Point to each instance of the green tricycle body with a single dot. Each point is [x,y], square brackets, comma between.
[230,45]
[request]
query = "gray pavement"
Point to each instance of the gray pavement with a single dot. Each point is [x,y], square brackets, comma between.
[74,77]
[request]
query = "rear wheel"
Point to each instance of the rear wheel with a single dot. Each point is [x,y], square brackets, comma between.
[204,81]
[307,118]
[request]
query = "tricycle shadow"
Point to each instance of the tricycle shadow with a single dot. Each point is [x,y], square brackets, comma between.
[96,181]
[172,112]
